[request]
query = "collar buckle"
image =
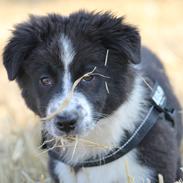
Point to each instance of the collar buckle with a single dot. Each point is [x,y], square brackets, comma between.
[160,101]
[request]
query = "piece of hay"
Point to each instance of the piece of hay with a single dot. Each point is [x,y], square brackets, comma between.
[127,172]
[160,178]
[106,57]
[107,88]
[75,146]
[86,141]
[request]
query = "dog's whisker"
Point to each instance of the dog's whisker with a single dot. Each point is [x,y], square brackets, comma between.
[99,114]
[146,83]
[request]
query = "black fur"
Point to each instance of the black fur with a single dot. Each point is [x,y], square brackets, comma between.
[95,34]
[34,51]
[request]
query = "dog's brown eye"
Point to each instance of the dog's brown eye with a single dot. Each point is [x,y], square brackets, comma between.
[46,81]
[88,78]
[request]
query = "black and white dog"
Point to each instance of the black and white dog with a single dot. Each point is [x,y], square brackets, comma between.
[121,122]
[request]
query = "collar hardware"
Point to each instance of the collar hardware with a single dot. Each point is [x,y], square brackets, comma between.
[160,101]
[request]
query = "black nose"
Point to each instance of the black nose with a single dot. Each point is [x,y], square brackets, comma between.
[66,123]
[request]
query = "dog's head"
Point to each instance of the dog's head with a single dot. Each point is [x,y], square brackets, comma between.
[47,54]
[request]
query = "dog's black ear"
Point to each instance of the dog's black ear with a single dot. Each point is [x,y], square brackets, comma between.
[18,48]
[119,36]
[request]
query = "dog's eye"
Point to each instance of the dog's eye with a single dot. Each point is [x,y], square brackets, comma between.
[46,81]
[88,78]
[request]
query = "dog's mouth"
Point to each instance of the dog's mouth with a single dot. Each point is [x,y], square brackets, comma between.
[61,146]
[57,139]
[67,147]
[57,143]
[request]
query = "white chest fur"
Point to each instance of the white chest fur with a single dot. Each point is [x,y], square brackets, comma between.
[115,172]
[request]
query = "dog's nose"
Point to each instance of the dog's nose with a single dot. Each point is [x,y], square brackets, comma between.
[66,123]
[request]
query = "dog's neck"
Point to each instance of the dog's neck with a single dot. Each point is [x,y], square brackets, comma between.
[110,131]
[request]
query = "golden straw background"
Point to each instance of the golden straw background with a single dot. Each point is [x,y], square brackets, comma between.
[160,23]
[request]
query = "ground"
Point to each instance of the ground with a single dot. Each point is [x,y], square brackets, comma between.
[161,28]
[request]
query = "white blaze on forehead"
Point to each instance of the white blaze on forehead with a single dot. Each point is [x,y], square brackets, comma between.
[67,50]
[67,56]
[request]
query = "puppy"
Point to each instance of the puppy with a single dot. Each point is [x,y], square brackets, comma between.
[121,119]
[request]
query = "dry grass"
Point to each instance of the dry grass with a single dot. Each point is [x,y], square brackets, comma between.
[160,23]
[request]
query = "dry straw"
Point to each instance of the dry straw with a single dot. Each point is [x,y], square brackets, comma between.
[160,178]
[106,58]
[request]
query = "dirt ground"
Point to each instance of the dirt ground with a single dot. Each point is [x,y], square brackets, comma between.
[161,27]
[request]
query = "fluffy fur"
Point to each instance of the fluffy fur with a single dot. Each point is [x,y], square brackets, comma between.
[59,50]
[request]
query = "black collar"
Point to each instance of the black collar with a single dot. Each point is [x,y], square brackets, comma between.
[159,106]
